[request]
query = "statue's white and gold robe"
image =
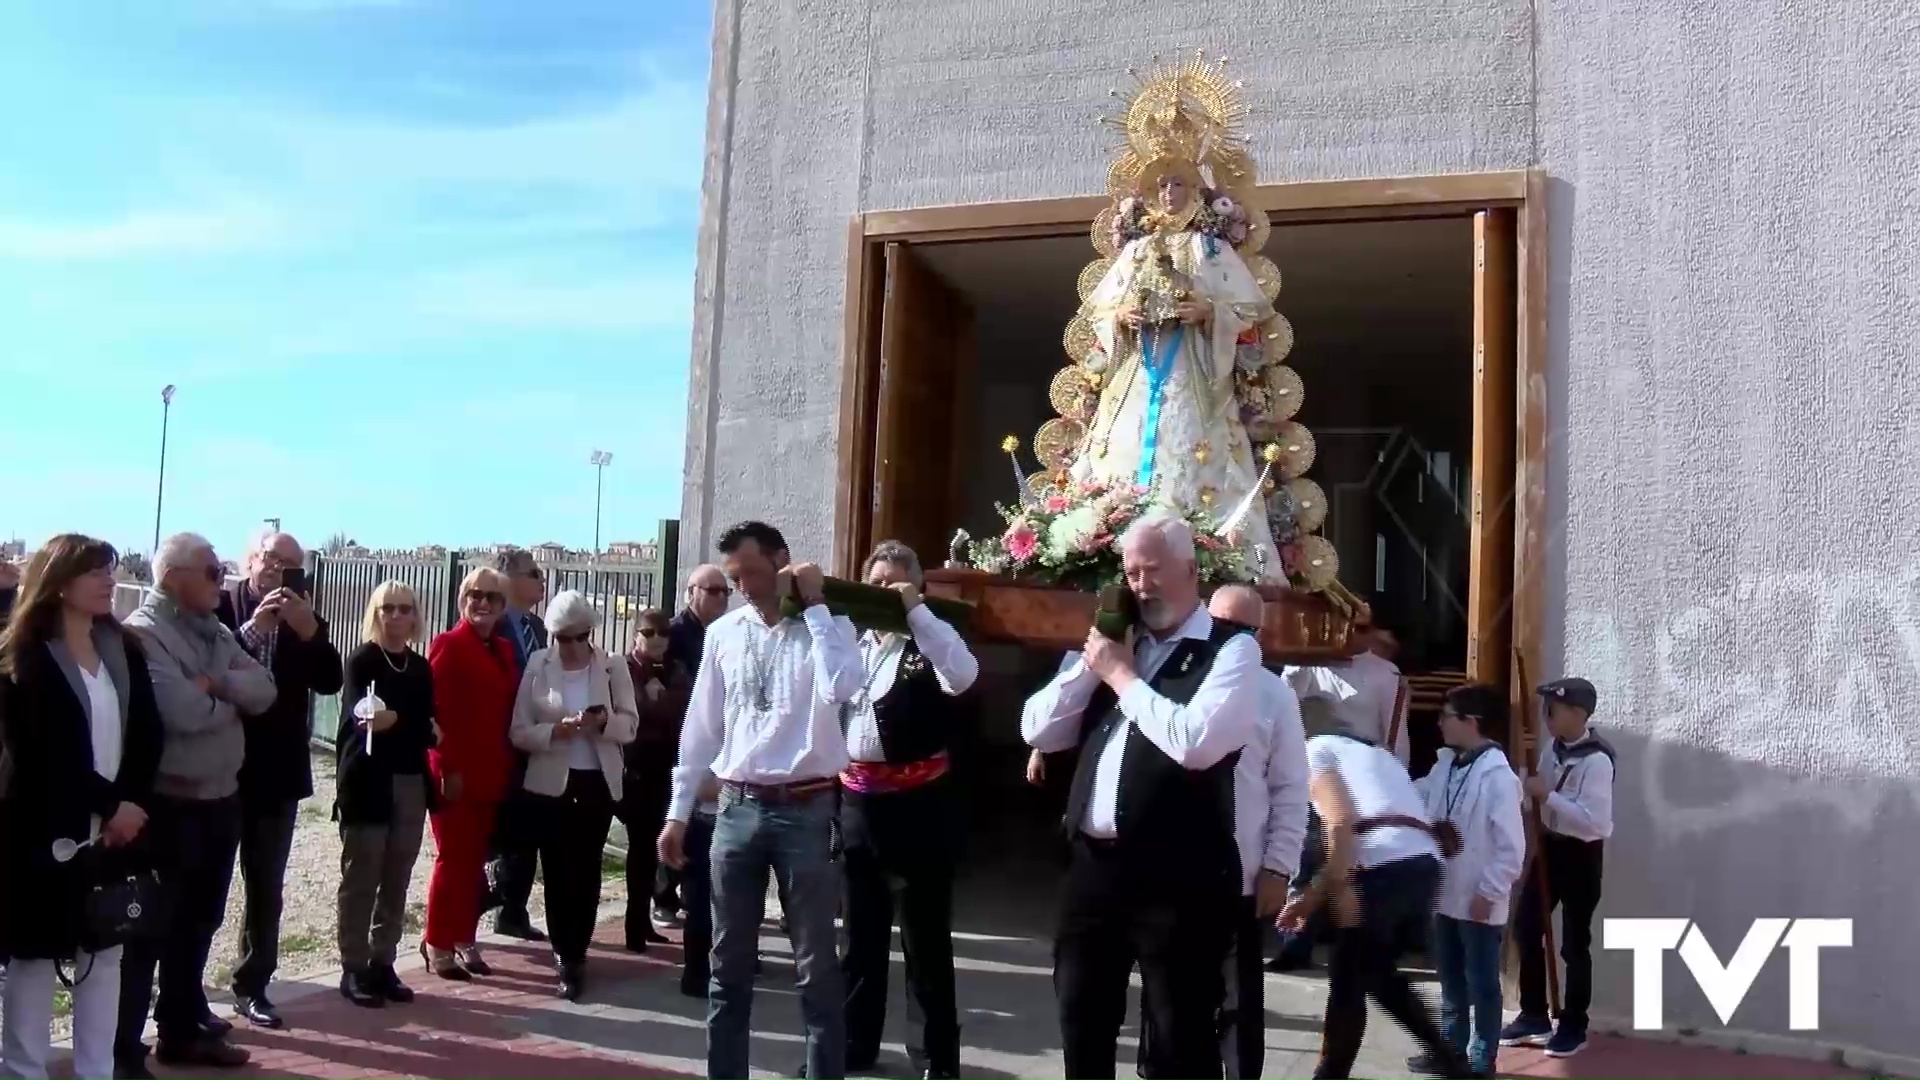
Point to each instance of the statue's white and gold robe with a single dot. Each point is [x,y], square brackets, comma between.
[1180,431]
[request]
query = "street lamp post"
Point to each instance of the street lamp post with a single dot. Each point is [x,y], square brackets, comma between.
[160,490]
[600,460]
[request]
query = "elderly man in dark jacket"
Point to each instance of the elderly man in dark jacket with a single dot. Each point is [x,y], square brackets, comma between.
[269,612]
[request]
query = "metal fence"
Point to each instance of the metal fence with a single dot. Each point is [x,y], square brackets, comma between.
[342,585]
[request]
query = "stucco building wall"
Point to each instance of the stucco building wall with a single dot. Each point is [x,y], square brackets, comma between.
[1732,312]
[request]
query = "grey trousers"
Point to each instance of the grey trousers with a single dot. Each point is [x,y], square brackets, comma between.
[376,866]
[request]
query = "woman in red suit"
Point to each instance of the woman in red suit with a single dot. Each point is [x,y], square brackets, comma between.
[475,678]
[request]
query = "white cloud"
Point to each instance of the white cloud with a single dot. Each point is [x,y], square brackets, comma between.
[142,233]
[520,299]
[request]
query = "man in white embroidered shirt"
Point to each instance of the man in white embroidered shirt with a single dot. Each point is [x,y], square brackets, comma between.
[765,721]
[1155,876]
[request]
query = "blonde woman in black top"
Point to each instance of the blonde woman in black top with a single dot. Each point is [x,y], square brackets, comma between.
[386,728]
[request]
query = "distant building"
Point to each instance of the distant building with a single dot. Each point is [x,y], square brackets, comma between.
[633,551]
[13,549]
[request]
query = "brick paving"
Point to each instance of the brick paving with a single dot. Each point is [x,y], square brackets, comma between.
[634,1023]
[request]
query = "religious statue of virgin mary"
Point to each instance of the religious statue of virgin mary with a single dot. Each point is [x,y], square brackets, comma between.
[1178,382]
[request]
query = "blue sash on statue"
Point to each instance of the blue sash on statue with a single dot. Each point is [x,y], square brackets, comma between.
[1158,368]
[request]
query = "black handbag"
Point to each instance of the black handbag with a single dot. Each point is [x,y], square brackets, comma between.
[119,908]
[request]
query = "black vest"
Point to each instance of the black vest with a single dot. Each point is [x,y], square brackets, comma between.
[916,715]
[1181,817]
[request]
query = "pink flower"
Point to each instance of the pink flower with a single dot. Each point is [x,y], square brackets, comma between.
[1119,517]
[1021,541]
[1290,558]
[1092,542]
[1057,504]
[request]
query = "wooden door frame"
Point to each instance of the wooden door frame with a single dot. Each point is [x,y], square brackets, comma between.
[1461,195]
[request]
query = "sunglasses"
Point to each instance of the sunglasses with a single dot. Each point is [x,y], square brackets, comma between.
[396,609]
[713,590]
[477,596]
[652,632]
[573,639]
[535,574]
[215,574]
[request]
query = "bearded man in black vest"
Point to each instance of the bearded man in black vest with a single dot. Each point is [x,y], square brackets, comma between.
[899,823]
[1155,877]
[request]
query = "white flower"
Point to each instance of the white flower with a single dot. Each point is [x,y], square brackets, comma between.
[1070,530]
[1223,206]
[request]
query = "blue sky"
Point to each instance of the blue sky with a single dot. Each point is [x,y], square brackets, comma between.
[408,261]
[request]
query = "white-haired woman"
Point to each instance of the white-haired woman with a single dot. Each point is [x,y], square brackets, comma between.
[575,711]
[383,794]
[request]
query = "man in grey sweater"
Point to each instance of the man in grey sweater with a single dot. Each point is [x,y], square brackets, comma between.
[203,682]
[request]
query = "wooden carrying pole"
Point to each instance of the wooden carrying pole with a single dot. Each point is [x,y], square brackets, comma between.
[1538,865]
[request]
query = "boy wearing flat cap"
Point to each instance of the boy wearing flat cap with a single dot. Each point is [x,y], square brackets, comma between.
[1574,791]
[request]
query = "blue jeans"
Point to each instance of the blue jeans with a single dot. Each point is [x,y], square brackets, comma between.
[1467,956]
[792,839]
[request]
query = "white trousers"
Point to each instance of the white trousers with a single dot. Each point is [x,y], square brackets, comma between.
[26,1038]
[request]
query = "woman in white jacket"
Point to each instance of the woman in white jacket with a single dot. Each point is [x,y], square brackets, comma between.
[574,712]
[1473,787]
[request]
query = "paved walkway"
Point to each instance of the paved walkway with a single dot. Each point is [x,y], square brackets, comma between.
[634,1023]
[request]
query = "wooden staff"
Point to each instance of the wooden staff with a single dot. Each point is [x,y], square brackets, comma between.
[1534,829]
[1399,710]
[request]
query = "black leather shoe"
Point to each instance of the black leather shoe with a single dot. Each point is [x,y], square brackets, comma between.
[259,1012]
[517,925]
[573,981]
[216,1026]
[131,1068]
[358,987]
[387,984]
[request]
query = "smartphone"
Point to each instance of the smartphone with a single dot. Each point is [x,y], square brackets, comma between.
[294,579]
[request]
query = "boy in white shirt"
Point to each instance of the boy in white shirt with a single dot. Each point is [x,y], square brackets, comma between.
[1473,794]
[1574,790]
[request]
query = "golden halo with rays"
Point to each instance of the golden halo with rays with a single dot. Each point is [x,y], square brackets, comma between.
[1188,107]
[1123,173]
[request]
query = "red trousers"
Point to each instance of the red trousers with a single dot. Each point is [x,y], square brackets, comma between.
[462,831]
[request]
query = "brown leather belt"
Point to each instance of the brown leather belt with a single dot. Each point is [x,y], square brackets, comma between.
[792,791]
[1445,834]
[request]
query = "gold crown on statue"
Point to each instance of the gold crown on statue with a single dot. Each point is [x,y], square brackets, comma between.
[1186,111]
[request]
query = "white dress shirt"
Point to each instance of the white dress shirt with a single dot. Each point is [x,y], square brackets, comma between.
[1270,787]
[1378,786]
[1482,799]
[946,651]
[1369,711]
[1198,735]
[766,702]
[1583,806]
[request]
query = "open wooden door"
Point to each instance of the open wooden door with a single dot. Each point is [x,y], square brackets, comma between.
[1495,422]
[925,346]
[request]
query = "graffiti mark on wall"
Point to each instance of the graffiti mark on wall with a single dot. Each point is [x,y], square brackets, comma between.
[1816,677]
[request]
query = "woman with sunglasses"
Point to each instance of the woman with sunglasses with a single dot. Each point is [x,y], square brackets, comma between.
[475,678]
[83,740]
[383,794]
[662,687]
[574,712]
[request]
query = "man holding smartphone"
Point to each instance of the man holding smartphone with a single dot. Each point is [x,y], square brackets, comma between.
[270,611]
